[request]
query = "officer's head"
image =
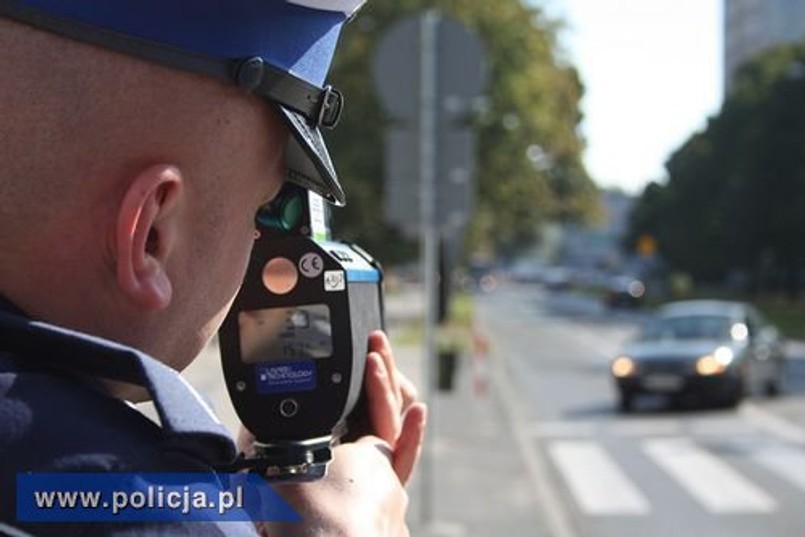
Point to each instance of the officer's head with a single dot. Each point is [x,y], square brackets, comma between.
[139,138]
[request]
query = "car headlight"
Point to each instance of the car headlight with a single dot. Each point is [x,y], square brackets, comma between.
[724,355]
[623,366]
[739,332]
[715,363]
[636,289]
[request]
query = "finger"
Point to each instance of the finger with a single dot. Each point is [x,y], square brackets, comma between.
[384,412]
[379,343]
[245,441]
[379,444]
[410,394]
[409,444]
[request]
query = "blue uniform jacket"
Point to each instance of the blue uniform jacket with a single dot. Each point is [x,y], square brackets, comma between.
[55,416]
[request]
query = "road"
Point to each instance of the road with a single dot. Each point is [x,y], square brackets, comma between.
[660,471]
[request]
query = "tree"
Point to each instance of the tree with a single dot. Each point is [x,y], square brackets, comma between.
[735,196]
[528,147]
[770,165]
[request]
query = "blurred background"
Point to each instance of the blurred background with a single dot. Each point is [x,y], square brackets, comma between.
[586,162]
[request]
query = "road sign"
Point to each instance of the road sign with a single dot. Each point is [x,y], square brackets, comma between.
[460,78]
[646,245]
[454,172]
[460,75]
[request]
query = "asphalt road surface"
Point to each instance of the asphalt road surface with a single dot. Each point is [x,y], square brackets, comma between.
[660,471]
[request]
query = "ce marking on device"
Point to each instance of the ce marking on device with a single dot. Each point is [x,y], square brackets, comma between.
[311,265]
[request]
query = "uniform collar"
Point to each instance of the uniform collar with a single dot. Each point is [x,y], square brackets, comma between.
[188,421]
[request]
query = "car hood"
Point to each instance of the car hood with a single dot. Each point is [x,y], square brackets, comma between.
[675,349]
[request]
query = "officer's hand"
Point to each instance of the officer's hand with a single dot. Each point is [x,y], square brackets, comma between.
[360,496]
[395,415]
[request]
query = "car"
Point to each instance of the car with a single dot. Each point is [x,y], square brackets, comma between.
[624,292]
[716,350]
[480,277]
[527,270]
[557,278]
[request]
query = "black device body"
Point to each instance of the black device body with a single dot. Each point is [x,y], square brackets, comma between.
[294,343]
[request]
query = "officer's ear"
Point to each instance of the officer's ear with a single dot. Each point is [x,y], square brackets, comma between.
[146,233]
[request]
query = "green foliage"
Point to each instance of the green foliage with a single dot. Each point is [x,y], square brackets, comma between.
[531,108]
[735,198]
[788,317]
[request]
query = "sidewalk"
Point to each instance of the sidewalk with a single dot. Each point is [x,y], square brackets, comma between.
[478,486]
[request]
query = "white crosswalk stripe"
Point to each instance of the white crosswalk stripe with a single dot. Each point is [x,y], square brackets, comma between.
[785,461]
[716,485]
[598,484]
[601,486]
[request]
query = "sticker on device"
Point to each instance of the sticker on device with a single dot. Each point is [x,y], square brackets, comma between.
[286,377]
[334,280]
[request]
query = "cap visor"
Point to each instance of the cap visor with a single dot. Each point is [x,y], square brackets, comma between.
[308,161]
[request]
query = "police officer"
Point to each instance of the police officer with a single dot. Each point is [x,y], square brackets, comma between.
[138,139]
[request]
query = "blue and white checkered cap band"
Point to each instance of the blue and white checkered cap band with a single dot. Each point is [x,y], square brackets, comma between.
[296,38]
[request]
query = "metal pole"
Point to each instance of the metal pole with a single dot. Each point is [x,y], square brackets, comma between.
[429,242]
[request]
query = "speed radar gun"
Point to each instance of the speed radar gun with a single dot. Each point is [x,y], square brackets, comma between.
[294,343]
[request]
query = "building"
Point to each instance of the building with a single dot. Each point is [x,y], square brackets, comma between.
[751,26]
[598,246]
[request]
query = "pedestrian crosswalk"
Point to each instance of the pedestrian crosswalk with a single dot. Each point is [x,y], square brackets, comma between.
[604,477]
[717,486]
[786,462]
[593,476]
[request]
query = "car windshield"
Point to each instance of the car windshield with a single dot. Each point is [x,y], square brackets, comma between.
[688,327]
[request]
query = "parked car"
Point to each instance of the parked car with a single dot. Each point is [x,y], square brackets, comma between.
[480,277]
[624,292]
[527,271]
[557,278]
[717,350]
